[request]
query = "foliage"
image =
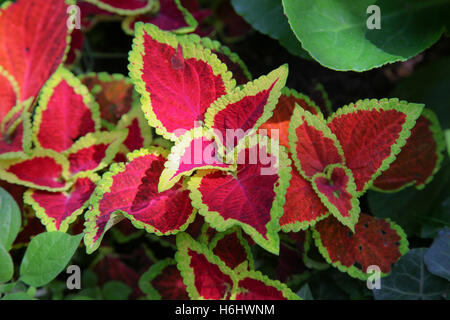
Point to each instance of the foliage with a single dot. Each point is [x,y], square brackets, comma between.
[136,178]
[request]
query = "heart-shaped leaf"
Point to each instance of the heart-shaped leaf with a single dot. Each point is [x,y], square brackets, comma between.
[337,190]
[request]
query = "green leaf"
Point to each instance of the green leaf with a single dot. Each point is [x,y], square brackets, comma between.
[10,219]
[17,296]
[437,258]
[46,256]
[6,265]
[410,280]
[267,17]
[115,290]
[447,138]
[335,32]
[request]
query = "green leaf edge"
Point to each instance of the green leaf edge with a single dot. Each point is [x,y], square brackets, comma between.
[155,270]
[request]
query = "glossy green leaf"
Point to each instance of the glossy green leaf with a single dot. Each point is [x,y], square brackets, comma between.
[46,256]
[335,32]
[267,17]
[437,258]
[115,290]
[410,280]
[6,265]
[17,296]
[10,219]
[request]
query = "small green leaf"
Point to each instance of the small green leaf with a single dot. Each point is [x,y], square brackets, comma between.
[6,265]
[336,34]
[410,280]
[267,17]
[437,258]
[17,296]
[47,255]
[115,290]
[10,219]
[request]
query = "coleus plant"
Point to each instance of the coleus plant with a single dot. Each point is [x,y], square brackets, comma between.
[335,160]
[192,91]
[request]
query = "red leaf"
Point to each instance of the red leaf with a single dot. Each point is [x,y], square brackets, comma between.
[419,159]
[371,133]
[34,41]
[94,151]
[112,92]
[67,105]
[124,7]
[249,197]
[43,170]
[171,16]
[205,276]
[131,190]
[57,209]
[246,108]
[375,242]
[255,289]
[312,144]
[302,207]
[139,132]
[175,94]
[283,113]
[232,249]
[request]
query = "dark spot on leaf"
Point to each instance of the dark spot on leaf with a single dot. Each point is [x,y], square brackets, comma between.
[366,225]
[360,247]
[383,232]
